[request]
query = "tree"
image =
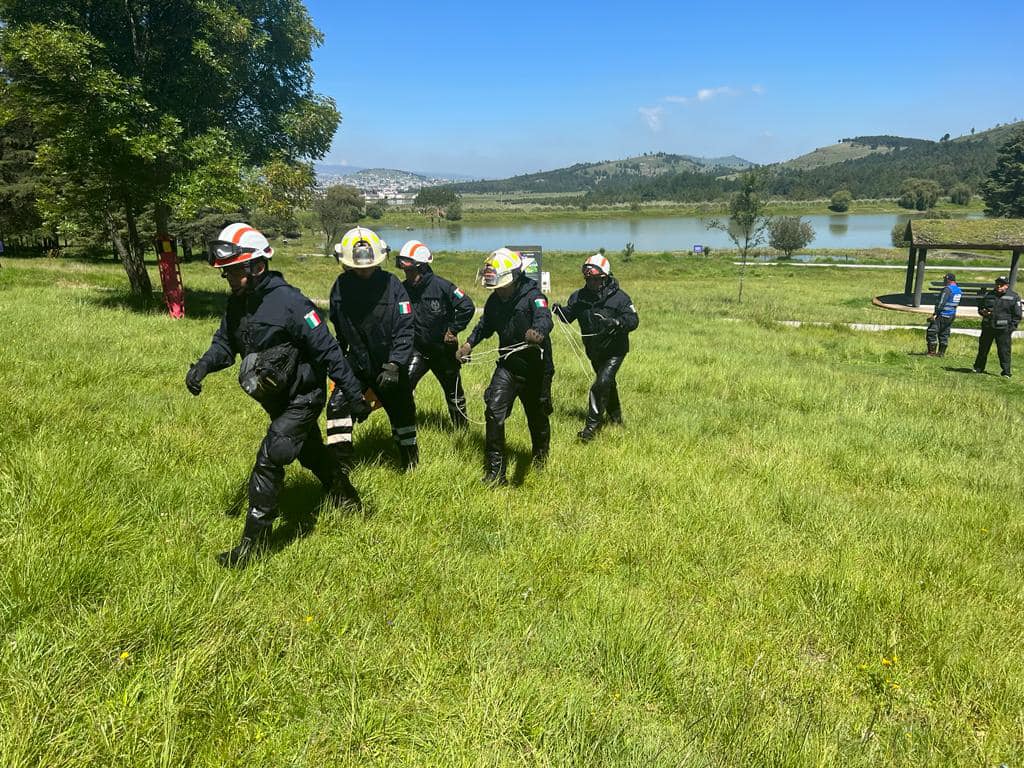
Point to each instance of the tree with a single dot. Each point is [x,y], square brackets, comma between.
[281,186]
[376,209]
[19,183]
[159,107]
[747,223]
[1003,191]
[840,201]
[453,212]
[960,194]
[337,208]
[789,233]
[919,194]
[435,197]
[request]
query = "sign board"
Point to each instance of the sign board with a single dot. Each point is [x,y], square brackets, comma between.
[698,249]
[545,282]
[532,256]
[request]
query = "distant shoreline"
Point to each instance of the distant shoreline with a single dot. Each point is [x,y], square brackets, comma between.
[477,211]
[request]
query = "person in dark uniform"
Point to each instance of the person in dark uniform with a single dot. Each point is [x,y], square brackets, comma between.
[441,311]
[606,316]
[939,324]
[287,352]
[372,317]
[518,312]
[1000,315]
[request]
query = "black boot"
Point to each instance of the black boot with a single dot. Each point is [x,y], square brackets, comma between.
[931,350]
[494,471]
[540,455]
[342,493]
[942,350]
[588,432]
[409,455]
[615,418]
[255,537]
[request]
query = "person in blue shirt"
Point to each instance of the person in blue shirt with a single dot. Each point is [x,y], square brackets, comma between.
[939,323]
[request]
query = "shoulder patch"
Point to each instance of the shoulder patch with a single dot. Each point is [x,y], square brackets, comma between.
[458,293]
[404,308]
[540,303]
[312,318]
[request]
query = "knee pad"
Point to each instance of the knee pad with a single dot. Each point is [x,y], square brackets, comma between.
[280,450]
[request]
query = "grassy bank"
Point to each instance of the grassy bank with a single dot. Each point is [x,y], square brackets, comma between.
[803,549]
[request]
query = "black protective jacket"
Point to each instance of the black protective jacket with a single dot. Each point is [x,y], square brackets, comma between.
[373,321]
[527,308]
[275,313]
[594,310]
[1003,311]
[437,306]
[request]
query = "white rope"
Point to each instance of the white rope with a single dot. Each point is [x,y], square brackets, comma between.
[575,346]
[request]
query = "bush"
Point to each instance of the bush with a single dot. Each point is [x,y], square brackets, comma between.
[899,236]
[454,211]
[919,194]
[960,194]
[841,200]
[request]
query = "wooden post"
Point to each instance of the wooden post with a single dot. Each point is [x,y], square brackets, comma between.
[908,286]
[922,254]
[1013,269]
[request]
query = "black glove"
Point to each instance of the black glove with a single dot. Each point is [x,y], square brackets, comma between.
[557,310]
[194,378]
[450,338]
[360,410]
[388,375]
[534,337]
[606,325]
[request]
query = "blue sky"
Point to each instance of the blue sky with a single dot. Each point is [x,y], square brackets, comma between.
[492,90]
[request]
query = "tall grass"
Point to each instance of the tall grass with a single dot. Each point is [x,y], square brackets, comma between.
[804,548]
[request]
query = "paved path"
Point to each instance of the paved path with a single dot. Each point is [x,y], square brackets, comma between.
[880,327]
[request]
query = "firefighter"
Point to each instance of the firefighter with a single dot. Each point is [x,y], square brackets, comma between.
[518,313]
[372,317]
[440,312]
[287,352]
[606,316]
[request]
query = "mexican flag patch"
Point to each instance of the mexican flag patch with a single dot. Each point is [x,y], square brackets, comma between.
[312,319]
[458,293]
[540,303]
[404,308]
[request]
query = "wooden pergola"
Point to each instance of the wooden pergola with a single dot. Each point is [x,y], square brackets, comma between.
[951,234]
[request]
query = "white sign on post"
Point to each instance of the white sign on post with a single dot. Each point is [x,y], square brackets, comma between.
[545,283]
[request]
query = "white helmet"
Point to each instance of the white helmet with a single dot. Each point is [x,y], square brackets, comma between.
[237,244]
[416,252]
[360,247]
[500,268]
[597,265]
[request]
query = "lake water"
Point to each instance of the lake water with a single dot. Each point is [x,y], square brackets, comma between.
[646,234]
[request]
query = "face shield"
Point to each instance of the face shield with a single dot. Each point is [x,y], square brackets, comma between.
[489,277]
[362,254]
[590,270]
[404,262]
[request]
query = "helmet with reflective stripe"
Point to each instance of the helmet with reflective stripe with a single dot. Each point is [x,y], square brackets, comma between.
[360,247]
[597,266]
[237,244]
[413,253]
[501,268]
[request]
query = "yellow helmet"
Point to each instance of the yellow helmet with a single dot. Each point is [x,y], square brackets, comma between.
[361,247]
[500,268]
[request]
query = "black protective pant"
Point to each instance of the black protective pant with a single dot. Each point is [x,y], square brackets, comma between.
[499,398]
[938,331]
[293,434]
[446,369]
[400,407]
[604,392]
[1002,337]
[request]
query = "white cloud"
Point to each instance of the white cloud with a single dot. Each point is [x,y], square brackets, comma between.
[758,89]
[707,94]
[652,116]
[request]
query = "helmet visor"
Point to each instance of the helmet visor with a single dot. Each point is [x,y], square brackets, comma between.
[591,270]
[220,251]
[404,262]
[362,254]
[489,277]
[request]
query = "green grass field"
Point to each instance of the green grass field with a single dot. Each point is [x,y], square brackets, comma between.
[804,549]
